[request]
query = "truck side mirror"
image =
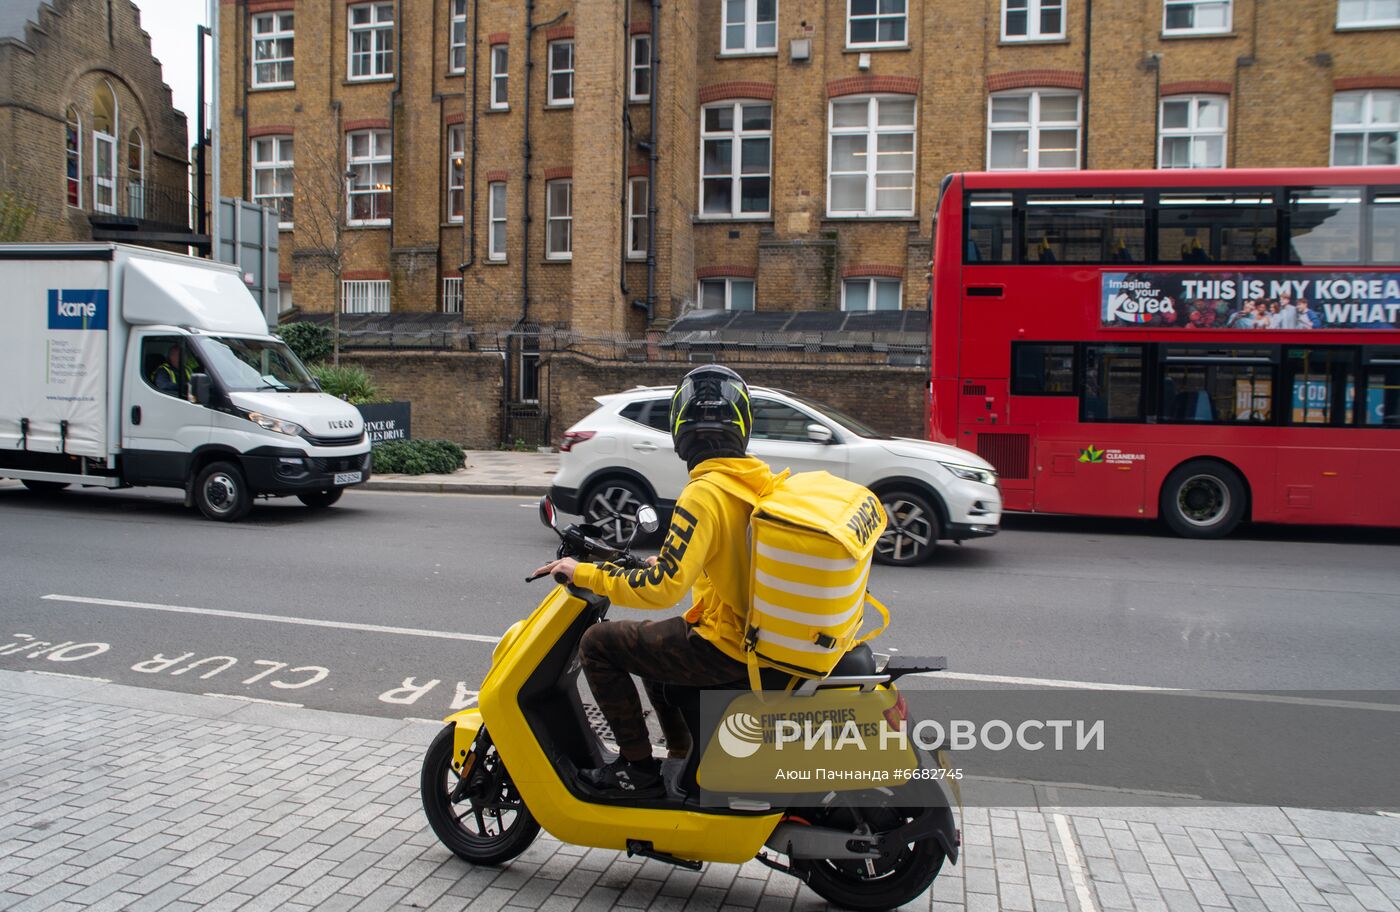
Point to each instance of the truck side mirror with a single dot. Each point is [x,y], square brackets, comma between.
[199,388]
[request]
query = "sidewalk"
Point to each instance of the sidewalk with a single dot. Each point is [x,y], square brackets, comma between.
[487,472]
[119,797]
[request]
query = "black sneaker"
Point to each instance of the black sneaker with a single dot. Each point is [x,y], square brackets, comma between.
[624,779]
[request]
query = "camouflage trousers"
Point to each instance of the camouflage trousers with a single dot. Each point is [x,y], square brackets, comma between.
[659,652]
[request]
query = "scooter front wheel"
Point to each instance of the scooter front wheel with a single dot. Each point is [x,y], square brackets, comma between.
[480,816]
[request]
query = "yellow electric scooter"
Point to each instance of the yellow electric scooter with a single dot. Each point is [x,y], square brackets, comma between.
[498,773]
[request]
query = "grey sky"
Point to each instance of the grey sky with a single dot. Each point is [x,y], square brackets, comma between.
[171,25]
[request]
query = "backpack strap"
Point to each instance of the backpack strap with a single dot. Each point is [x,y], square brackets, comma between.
[884,619]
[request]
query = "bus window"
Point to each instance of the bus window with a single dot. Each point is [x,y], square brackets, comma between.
[1229,385]
[1063,228]
[1385,227]
[1217,228]
[1041,369]
[1324,226]
[1112,383]
[988,228]
[1317,374]
[1383,388]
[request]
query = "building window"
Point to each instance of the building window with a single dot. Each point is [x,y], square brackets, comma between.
[872,156]
[1200,17]
[496,215]
[561,73]
[871,294]
[364,296]
[372,41]
[1193,132]
[284,298]
[736,140]
[639,85]
[457,38]
[638,201]
[529,387]
[1363,13]
[104,149]
[559,220]
[272,175]
[73,147]
[1036,130]
[877,23]
[1365,127]
[370,156]
[750,26]
[135,175]
[452,295]
[500,77]
[456,171]
[1030,20]
[273,42]
[726,294]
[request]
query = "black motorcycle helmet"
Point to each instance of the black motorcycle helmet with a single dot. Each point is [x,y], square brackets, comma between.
[710,415]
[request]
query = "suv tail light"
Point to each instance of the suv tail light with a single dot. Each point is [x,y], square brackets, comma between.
[574,438]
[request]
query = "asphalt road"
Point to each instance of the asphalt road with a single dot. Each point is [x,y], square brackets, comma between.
[267,606]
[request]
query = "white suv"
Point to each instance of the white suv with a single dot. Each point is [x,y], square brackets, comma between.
[620,457]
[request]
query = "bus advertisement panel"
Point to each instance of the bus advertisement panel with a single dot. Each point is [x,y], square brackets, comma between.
[1251,300]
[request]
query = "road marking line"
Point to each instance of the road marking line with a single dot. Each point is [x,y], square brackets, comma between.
[59,674]
[1172,691]
[423,720]
[1077,870]
[277,619]
[244,699]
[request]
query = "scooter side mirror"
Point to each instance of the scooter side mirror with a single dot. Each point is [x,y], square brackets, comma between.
[647,519]
[547,513]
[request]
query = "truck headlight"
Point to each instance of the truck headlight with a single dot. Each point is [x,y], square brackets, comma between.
[276,425]
[971,473]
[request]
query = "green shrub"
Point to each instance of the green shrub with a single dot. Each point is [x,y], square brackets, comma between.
[417,457]
[350,382]
[310,341]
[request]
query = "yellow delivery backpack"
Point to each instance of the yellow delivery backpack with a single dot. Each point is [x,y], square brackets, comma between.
[812,536]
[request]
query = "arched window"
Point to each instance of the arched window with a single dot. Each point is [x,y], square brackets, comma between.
[104,149]
[73,149]
[135,175]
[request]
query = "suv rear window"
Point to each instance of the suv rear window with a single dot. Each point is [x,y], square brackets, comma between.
[654,413]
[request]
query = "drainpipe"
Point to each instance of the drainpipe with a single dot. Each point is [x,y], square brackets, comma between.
[1088,61]
[393,118]
[201,171]
[214,130]
[626,137]
[652,158]
[469,254]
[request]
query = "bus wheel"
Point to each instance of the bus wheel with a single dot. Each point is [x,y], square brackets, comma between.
[1203,499]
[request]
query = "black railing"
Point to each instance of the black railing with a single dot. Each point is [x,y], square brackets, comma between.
[145,210]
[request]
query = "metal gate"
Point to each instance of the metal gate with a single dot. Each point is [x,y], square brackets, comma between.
[526,419]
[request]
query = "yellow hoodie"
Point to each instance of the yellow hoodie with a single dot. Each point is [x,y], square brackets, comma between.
[707,547]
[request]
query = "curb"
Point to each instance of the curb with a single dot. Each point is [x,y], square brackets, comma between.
[450,487]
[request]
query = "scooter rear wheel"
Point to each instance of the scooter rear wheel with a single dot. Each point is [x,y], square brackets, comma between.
[487,825]
[879,883]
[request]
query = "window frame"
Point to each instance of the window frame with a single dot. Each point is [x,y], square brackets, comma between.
[751,24]
[135,177]
[73,155]
[1195,29]
[1366,22]
[872,285]
[634,68]
[456,182]
[1366,127]
[736,135]
[633,217]
[372,28]
[1034,11]
[872,132]
[452,294]
[552,218]
[457,15]
[371,161]
[497,215]
[1033,127]
[1017,345]
[1192,131]
[500,77]
[728,291]
[277,33]
[275,164]
[877,17]
[554,101]
[373,290]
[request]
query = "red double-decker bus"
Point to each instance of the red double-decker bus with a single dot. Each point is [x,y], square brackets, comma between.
[1203,346]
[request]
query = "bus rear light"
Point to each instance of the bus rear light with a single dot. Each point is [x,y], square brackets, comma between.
[574,438]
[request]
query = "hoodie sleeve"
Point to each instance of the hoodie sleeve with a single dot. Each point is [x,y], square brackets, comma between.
[683,556]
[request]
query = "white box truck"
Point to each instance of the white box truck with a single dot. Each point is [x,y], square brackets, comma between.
[127,366]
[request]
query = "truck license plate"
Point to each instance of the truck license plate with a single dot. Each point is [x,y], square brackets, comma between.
[347,478]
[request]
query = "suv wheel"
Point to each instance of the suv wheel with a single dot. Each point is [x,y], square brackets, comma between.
[913,530]
[611,505]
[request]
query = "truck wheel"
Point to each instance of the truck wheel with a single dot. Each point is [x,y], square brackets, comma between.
[221,493]
[1203,499]
[44,487]
[320,499]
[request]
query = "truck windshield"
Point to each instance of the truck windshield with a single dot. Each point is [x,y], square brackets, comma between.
[248,365]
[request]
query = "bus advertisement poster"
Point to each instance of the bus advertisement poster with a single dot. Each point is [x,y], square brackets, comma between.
[1252,300]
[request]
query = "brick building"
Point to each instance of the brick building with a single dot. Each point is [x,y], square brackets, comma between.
[494,157]
[89,139]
